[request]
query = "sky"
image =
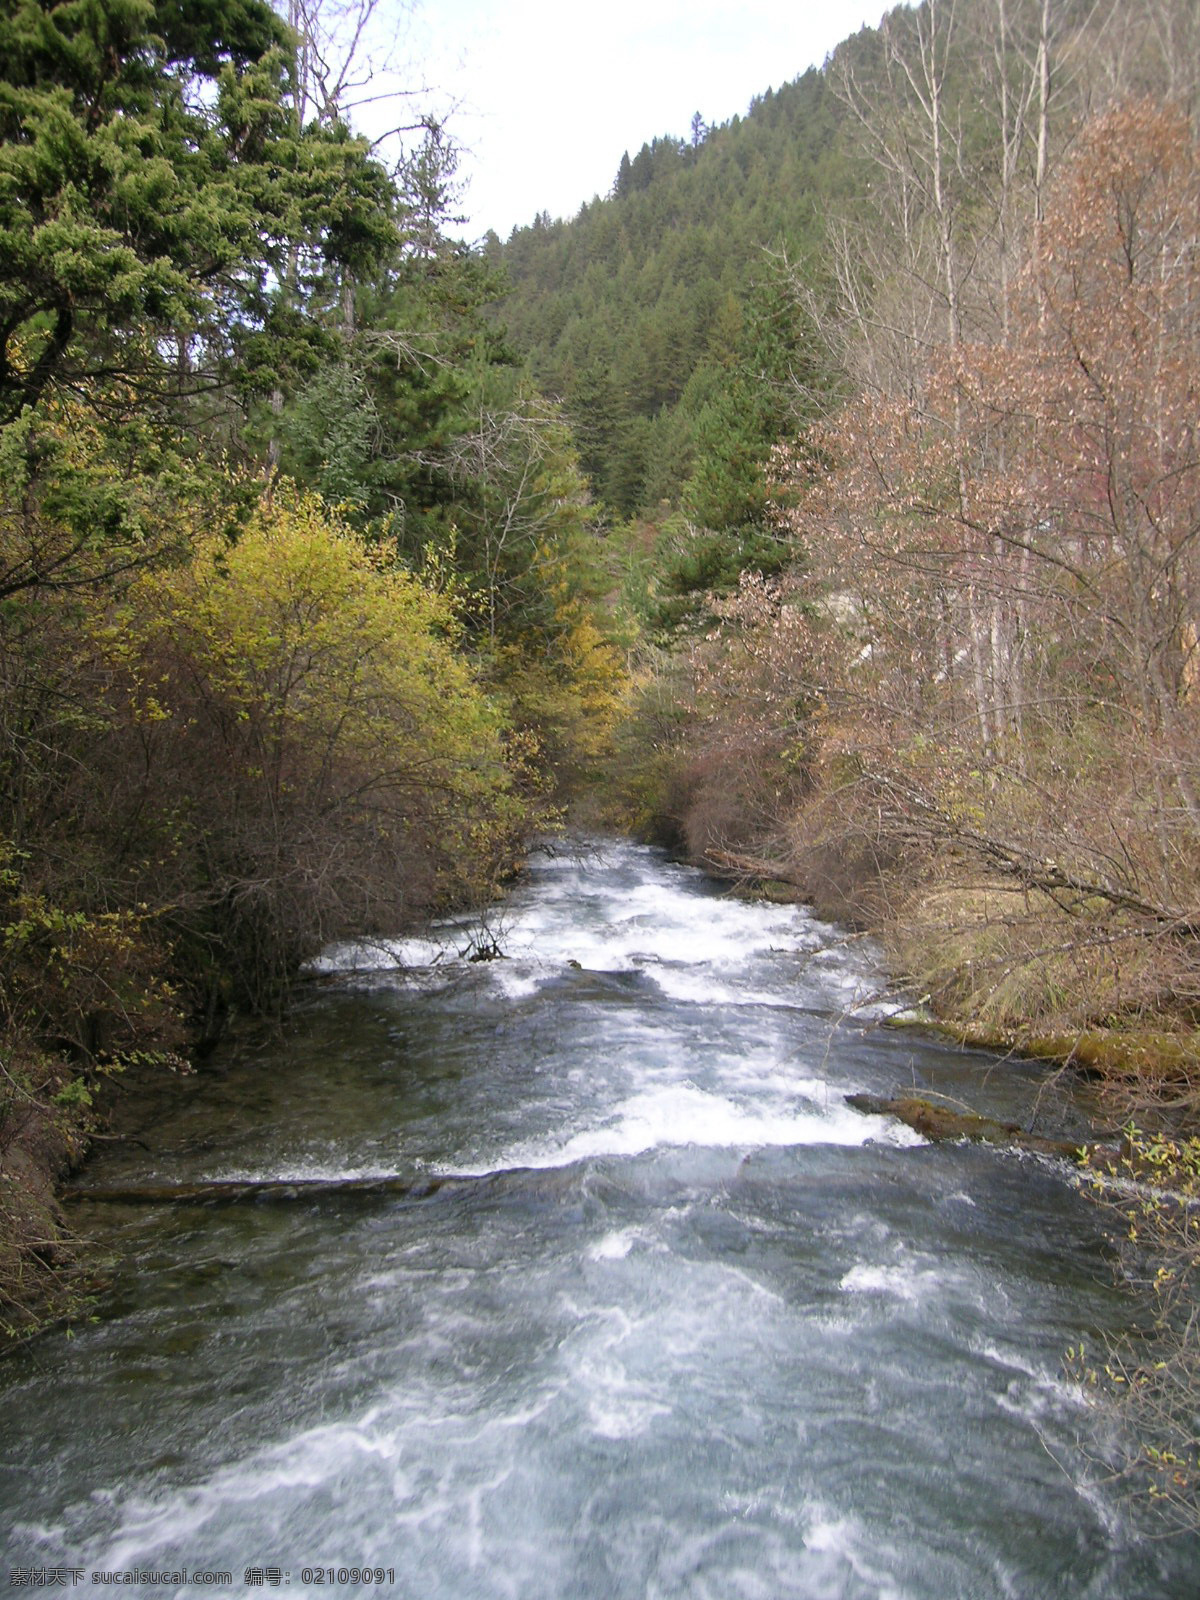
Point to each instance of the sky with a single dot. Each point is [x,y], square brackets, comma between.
[543,96]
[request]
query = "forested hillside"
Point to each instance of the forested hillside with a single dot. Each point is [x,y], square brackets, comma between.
[637,311]
[701,311]
[663,318]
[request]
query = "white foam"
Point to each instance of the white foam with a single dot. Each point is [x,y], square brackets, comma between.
[903,1281]
[380,955]
[705,947]
[682,1114]
[843,1538]
[618,1406]
[518,980]
[924,1280]
[301,1172]
[614,1246]
[306,1462]
[624,1417]
[1044,1390]
[692,984]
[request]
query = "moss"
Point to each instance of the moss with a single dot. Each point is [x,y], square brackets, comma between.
[1152,1054]
[1145,1058]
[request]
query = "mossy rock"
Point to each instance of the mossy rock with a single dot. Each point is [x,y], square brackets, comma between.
[1144,1052]
[1155,1054]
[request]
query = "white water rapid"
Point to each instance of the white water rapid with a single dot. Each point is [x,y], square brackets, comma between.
[690,1327]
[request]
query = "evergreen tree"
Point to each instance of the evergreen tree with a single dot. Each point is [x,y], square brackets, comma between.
[622,309]
[154,193]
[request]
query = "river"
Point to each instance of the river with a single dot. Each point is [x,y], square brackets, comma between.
[691,1327]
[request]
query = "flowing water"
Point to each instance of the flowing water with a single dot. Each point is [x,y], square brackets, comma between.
[692,1327]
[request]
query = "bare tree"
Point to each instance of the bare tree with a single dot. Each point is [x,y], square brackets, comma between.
[350,55]
[981,99]
[522,491]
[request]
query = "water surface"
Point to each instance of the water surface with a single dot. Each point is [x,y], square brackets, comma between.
[695,1328]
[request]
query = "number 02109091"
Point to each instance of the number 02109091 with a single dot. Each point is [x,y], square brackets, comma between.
[320,1575]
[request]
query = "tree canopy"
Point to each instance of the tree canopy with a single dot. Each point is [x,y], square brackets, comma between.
[155,191]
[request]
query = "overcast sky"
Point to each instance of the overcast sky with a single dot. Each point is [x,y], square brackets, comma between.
[549,93]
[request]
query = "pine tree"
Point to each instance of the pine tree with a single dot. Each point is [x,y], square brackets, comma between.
[154,191]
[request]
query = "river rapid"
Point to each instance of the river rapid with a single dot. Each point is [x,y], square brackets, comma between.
[693,1327]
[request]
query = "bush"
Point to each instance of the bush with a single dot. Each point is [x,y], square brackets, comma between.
[298,752]
[1155,1379]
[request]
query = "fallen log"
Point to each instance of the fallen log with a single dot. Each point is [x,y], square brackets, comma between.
[752,876]
[938,1123]
[267,1191]
[745,866]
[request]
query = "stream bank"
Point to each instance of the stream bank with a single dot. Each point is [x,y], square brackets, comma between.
[1146,1067]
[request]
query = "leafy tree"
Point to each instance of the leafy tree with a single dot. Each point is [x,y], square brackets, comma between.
[296,752]
[153,191]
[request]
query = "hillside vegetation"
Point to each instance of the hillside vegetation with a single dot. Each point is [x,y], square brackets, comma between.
[921,328]
[824,502]
[663,319]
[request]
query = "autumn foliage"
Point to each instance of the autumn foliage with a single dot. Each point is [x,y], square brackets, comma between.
[296,751]
[999,608]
